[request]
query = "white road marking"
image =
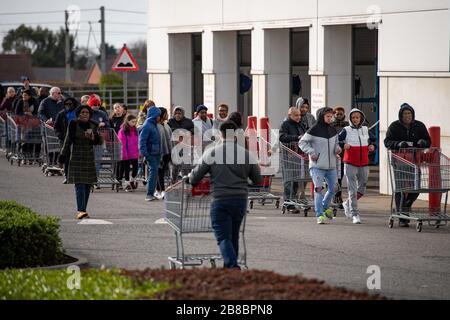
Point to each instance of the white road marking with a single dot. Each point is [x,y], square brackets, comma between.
[161,221]
[94,221]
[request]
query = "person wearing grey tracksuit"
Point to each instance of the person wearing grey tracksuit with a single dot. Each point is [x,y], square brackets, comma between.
[321,144]
[230,166]
[357,142]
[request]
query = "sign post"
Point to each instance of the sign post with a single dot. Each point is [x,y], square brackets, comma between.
[125,62]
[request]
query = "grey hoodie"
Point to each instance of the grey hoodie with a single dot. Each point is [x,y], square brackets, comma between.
[229,180]
[321,140]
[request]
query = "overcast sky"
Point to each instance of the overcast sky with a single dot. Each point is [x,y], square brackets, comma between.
[121,27]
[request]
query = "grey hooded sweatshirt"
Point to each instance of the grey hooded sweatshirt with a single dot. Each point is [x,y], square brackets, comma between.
[229,178]
[321,140]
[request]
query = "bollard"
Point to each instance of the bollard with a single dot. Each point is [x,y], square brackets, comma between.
[252,135]
[264,148]
[434,199]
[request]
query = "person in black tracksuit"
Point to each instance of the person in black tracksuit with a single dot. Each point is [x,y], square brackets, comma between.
[291,132]
[339,123]
[406,132]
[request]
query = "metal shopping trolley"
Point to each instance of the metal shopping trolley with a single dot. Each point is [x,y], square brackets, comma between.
[187,211]
[52,148]
[107,157]
[262,194]
[419,171]
[3,135]
[295,174]
[25,138]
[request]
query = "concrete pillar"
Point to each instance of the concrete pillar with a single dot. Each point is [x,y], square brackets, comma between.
[180,65]
[220,69]
[158,67]
[338,65]
[271,74]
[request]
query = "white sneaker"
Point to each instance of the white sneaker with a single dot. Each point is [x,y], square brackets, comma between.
[346,209]
[356,220]
[321,220]
[157,195]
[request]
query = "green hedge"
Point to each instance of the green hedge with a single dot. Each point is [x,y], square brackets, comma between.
[27,239]
[60,285]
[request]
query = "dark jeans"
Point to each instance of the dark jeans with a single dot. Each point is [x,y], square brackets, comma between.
[226,220]
[82,192]
[408,199]
[290,190]
[133,163]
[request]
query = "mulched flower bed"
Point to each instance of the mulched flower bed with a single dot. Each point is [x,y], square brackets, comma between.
[220,284]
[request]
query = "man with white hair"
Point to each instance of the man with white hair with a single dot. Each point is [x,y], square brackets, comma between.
[84,100]
[51,106]
[7,104]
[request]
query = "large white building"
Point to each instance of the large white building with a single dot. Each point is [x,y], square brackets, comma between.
[198,51]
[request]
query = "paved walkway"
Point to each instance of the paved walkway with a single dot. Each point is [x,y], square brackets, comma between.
[413,265]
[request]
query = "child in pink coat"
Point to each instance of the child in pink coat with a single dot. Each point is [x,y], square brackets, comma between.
[129,137]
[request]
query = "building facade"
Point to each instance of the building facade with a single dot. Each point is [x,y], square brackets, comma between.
[372,54]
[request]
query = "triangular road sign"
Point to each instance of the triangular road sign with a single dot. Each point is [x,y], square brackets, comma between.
[125,61]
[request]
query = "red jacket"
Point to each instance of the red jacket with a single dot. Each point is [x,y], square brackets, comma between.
[359,139]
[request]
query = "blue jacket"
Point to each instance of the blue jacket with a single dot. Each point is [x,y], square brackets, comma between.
[149,138]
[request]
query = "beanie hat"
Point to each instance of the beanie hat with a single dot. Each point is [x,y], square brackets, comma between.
[201,107]
[94,101]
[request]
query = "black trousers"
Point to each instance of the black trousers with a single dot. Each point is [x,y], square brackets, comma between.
[130,165]
[162,172]
[408,199]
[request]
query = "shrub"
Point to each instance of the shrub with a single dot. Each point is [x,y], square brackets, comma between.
[93,285]
[27,239]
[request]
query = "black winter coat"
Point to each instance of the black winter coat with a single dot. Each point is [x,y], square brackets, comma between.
[398,132]
[290,131]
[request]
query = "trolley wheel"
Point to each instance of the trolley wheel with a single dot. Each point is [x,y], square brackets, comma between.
[251,204]
[12,162]
[277,204]
[172,265]
[263,202]
[391,223]
[334,212]
[117,188]
[419,227]
[305,212]
[213,263]
[283,210]
[438,224]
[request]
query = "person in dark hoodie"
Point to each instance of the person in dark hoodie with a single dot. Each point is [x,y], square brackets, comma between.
[321,144]
[340,123]
[406,132]
[62,121]
[291,131]
[150,149]
[179,122]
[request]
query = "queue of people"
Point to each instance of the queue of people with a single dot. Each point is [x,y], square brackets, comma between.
[327,140]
